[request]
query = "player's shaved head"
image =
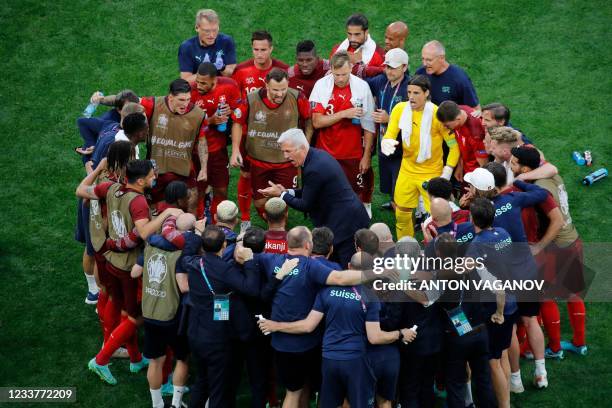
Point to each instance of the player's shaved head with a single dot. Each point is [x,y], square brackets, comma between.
[441,211]
[382,231]
[185,222]
[395,35]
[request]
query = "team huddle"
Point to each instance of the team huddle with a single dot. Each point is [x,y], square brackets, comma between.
[297,308]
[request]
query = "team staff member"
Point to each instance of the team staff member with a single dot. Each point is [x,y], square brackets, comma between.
[327,198]
[493,245]
[422,138]
[217,97]
[334,98]
[389,90]
[293,301]
[365,55]
[352,321]
[308,68]
[250,76]
[469,134]
[497,114]
[508,216]
[212,318]
[564,261]
[127,209]
[208,46]
[323,247]
[448,81]
[267,113]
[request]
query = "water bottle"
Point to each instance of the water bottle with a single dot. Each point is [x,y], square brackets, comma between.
[91,108]
[358,104]
[595,176]
[578,158]
[588,158]
[221,127]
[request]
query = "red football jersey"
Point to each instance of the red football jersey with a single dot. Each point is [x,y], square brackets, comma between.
[342,139]
[529,215]
[470,139]
[276,242]
[249,77]
[372,68]
[209,102]
[305,83]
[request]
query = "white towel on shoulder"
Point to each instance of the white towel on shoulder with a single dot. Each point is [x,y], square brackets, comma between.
[405,124]
[322,92]
[367,49]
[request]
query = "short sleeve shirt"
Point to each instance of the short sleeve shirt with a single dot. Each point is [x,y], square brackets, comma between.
[191,53]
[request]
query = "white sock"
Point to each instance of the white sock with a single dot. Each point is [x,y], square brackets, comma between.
[540,367]
[368,208]
[515,378]
[156,398]
[468,394]
[177,396]
[91,284]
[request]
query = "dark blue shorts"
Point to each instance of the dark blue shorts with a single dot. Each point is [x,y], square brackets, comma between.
[389,169]
[386,367]
[500,335]
[351,379]
[81,233]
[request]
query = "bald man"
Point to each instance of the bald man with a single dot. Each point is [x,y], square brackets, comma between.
[448,81]
[385,239]
[396,35]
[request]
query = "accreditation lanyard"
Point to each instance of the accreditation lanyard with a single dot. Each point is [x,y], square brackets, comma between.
[383,127]
[458,318]
[358,296]
[221,303]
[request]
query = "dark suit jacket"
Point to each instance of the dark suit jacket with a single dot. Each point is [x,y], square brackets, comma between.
[327,197]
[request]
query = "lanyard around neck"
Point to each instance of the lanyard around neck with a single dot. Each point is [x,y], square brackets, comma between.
[205,277]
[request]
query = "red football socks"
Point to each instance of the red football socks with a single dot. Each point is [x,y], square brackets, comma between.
[112,313]
[121,335]
[577,318]
[552,323]
[244,198]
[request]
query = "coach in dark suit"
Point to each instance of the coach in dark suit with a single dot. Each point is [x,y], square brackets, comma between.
[326,195]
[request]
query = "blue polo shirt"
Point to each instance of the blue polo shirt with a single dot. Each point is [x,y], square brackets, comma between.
[388,96]
[330,264]
[494,246]
[294,298]
[346,312]
[451,85]
[105,139]
[191,53]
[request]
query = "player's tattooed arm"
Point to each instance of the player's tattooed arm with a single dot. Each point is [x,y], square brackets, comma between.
[203,154]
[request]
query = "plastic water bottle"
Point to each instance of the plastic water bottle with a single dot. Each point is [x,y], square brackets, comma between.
[588,158]
[577,156]
[358,104]
[221,127]
[595,176]
[260,318]
[91,108]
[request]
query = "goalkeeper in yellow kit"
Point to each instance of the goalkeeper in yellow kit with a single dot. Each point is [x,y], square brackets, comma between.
[422,159]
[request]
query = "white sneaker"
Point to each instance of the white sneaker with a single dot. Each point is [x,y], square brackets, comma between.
[517,388]
[121,352]
[540,381]
[244,225]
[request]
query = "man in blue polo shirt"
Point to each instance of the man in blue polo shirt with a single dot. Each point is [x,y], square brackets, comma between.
[508,216]
[448,81]
[351,322]
[208,46]
[293,302]
[389,89]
